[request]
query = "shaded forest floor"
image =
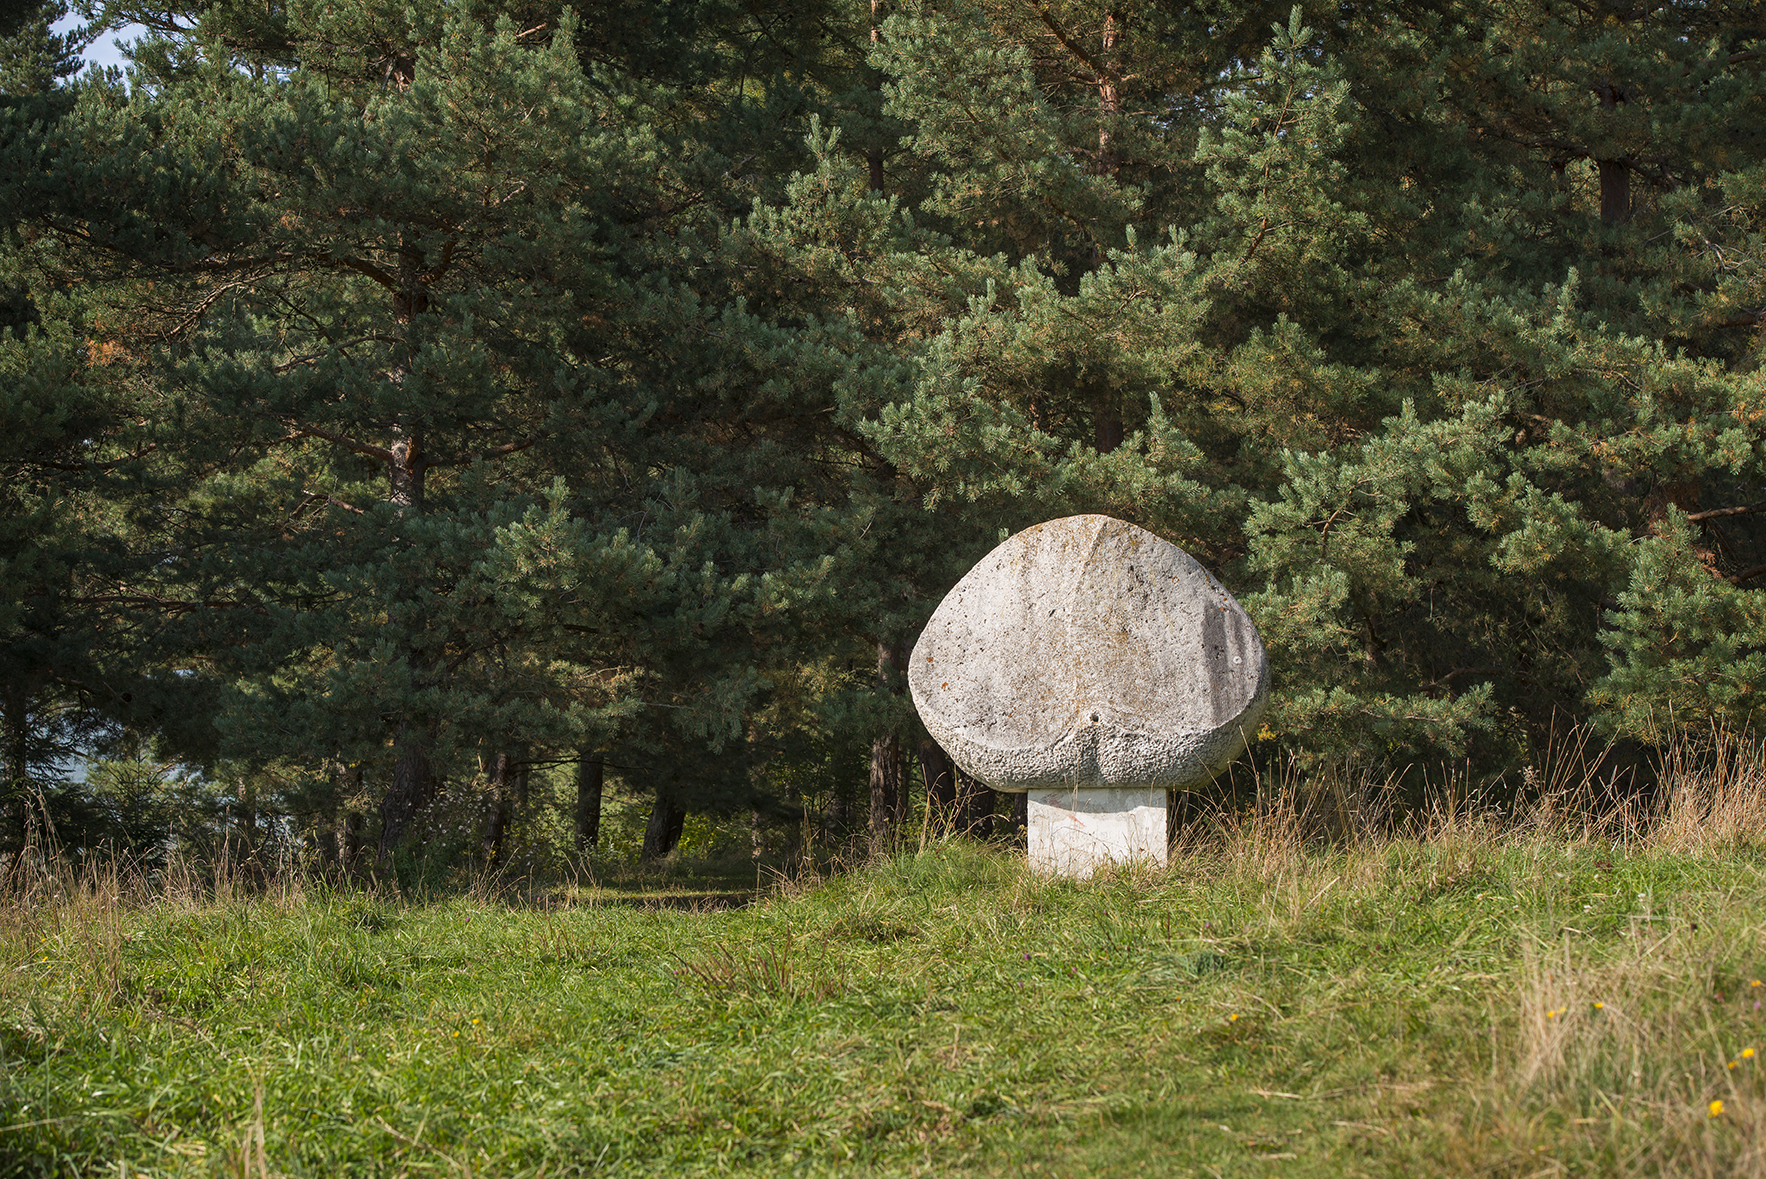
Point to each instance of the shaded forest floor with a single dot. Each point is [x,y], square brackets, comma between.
[1524,999]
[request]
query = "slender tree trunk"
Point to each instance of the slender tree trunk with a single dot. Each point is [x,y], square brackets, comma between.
[1107,431]
[248,808]
[1615,175]
[15,702]
[836,817]
[346,834]
[663,833]
[590,776]
[1109,97]
[354,843]
[497,828]
[411,790]
[888,758]
[412,776]
[793,849]
[874,157]
[1615,192]
[887,774]
[939,780]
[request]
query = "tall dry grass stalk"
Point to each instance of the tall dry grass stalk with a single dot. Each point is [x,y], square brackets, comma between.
[1712,795]
[1709,797]
[80,907]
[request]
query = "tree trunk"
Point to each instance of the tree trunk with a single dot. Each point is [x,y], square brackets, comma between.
[837,817]
[1615,175]
[888,758]
[1109,98]
[940,782]
[353,842]
[663,833]
[411,789]
[1615,192]
[18,781]
[248,808]
[887,773]
[793,849]
[1107,426]
[874,157]
[1107,431]
[346,821]
[497,828]
[590,776]
[406,475]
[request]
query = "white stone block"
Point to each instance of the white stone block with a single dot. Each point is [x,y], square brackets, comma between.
[1075,832]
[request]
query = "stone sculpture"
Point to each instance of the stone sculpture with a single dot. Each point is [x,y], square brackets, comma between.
[1097,667]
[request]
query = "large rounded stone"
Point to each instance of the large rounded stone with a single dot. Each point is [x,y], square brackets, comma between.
[1085,653]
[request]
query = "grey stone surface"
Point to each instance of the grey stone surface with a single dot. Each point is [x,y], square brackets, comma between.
[1086,652]
[1074,832]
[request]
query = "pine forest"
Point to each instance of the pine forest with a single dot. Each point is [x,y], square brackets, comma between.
[427,429]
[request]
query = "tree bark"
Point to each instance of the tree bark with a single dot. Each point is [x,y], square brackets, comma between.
[887,771]
[874,156]
[837,816]
[888,759]
[407,471]
[1615,175]
[353,842]
[590,778]
[663,833]
[1615,192]
[18,781]
[412,788]
[497,828]
[1109,98]
[1107,427]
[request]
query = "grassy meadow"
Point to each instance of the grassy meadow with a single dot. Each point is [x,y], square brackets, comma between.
[1530,997]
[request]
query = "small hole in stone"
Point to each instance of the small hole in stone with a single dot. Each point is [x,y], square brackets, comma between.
[1094,718]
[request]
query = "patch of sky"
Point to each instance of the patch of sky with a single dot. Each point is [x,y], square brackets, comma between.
[108,48]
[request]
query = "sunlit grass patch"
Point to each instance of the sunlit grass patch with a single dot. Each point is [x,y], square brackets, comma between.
[1467,998]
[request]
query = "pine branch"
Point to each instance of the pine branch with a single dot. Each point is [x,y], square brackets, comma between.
[1100,73]
[373,452]
[1717,513]
[503,451]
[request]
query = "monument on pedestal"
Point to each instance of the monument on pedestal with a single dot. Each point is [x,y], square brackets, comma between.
[1097,667]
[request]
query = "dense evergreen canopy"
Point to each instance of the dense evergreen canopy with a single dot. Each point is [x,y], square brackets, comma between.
[400,401]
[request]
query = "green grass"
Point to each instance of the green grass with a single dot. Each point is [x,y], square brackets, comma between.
[1409,1007]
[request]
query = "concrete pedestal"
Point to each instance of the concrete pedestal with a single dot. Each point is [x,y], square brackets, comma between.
[1075,831]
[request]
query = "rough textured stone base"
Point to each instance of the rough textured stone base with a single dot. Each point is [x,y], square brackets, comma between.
[1074,832]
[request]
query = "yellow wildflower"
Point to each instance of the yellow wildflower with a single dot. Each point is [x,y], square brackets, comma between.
[1716,1108]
